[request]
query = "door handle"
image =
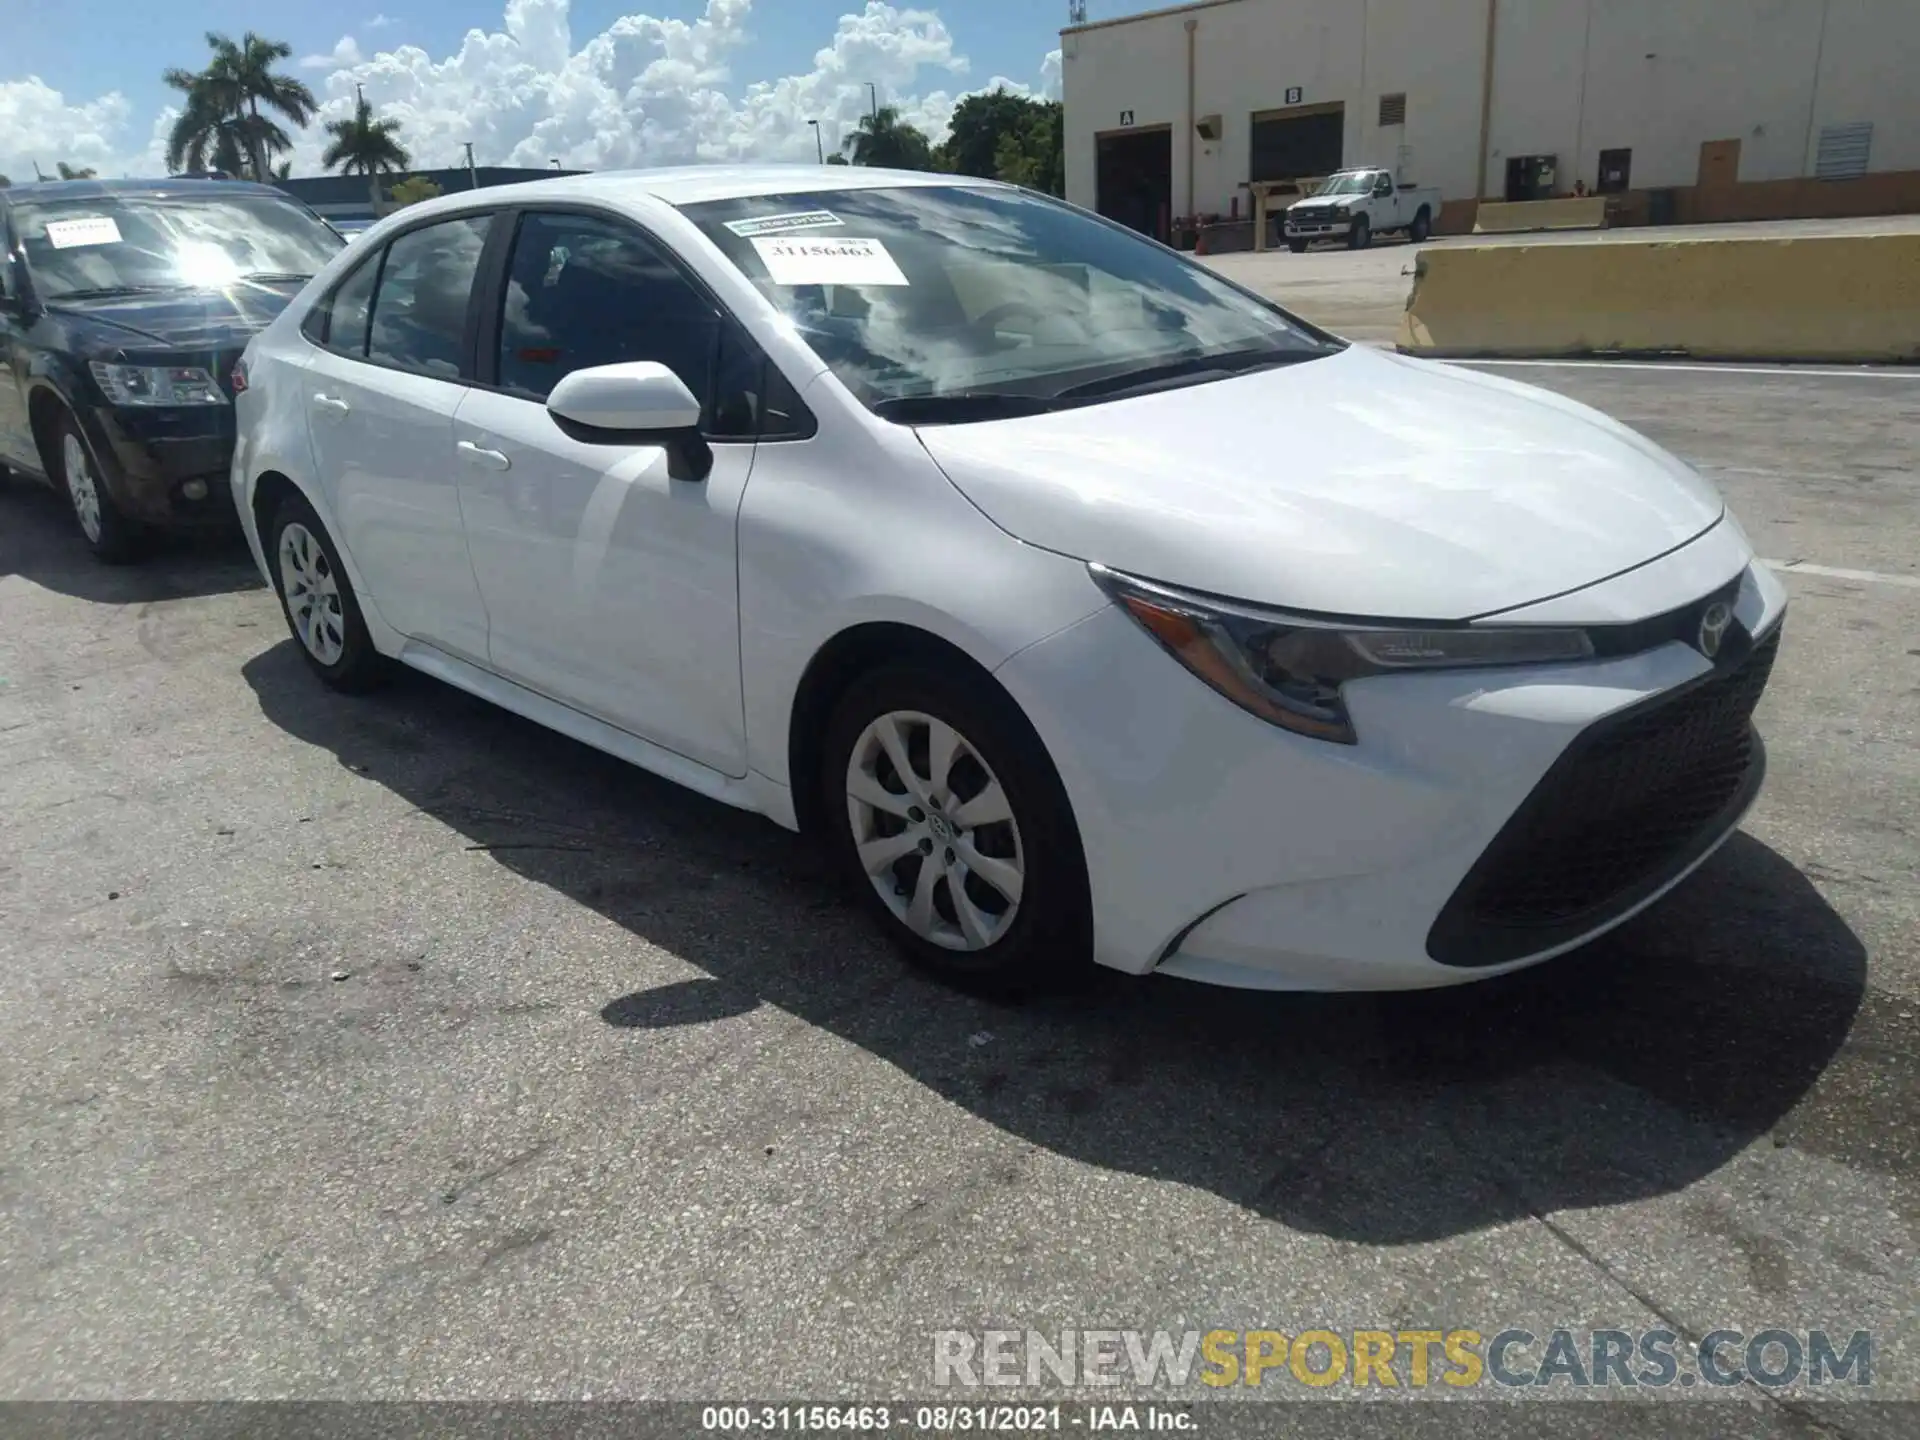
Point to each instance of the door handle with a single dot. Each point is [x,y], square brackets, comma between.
[331,405]
[478,455]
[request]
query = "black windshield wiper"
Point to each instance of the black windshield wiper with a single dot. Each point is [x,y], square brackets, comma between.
[960,408]
[105,292]
[276,275]
[1188,370]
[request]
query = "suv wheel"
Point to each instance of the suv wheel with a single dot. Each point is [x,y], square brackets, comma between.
[318,600]
[109,533]
[953,827]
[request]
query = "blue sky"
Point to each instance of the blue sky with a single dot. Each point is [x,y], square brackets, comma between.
[79,79]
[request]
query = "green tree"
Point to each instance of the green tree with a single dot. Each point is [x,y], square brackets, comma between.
[366,146]
[75,172]
[412,190]
[4,182]
[980,123]
[885,140]
[222,118]
[1033,153]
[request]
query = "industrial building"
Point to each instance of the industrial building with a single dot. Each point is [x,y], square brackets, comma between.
[1687,110]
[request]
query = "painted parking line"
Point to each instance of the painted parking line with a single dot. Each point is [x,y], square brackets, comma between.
[1832,572]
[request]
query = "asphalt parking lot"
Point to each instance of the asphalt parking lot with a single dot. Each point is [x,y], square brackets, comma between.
[396,1048]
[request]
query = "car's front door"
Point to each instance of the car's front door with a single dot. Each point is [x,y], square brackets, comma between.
[380,397]
[608,566]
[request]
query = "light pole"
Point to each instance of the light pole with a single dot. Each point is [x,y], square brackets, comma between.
[473,177]
[819,145]
[873,100]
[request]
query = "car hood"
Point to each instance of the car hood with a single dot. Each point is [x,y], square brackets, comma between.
[1361,484]
[178,319]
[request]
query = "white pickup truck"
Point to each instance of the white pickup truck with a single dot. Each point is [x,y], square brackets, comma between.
[1356,205]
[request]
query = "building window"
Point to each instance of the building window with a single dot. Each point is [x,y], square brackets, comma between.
[1393,109]
[1844,151]
[1616,172]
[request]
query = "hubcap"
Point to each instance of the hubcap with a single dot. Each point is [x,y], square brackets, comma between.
[934,830]
[80,485]
[313,595]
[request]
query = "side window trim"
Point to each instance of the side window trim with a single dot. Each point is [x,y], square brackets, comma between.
[475,297]
[495,269]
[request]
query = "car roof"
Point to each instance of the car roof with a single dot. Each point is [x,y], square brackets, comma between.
[690,184]
[100,189]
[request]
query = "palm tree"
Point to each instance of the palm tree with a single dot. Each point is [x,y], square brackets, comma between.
[366,146]
[883,138]
[222,120]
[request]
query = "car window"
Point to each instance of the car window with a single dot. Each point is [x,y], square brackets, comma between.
[133,242]
[955,291]
[340,321]
[420,312]
[582,290]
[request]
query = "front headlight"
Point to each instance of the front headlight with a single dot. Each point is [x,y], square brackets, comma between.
[1288,669]
[157,384]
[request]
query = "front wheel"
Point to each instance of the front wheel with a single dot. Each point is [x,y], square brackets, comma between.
[110,533]
[954,829]
[1298,247]
[1361,235]
[318,600]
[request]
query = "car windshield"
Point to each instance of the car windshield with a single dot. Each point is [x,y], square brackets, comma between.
[957,294]
[1357,183]
[111,244]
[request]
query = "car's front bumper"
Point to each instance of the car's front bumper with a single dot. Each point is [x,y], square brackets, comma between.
[166,467]
[1223,849]
[1317,228]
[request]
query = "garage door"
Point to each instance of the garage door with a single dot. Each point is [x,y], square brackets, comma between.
[1288,144]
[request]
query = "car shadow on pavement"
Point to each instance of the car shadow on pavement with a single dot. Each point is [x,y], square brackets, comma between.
[1629,1069]
[39,542]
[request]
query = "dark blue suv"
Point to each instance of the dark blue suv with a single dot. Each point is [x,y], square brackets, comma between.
[123,307]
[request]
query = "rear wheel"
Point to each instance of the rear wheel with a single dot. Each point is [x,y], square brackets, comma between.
[953,827]
[1361,235]
[1421,228]
[318,600]
[109,532]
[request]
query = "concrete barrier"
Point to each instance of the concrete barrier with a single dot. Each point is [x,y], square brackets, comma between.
[1837,298]
[1503,217]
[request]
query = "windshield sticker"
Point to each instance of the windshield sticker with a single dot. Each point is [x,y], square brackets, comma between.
[94,230]
[781,224]
[806,261]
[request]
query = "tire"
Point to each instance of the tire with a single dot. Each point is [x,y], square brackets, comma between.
[1298,247]
[112,536]
[1361,235]
[323,614]
[1003,940]
[1421,228]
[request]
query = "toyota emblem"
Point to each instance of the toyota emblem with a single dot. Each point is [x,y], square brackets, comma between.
[1713,627]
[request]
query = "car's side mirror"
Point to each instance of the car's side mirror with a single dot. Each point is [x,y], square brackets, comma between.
[643,396]
[635,403]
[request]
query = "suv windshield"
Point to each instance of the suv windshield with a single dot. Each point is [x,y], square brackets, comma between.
[113,243]
[1357,183]
[990,296]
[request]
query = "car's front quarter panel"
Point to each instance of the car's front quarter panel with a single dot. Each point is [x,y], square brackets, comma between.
[858,526]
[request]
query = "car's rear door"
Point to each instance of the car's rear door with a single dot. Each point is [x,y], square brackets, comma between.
[394,363]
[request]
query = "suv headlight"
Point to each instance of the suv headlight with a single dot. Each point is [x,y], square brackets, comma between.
[157,384]
[1289,669]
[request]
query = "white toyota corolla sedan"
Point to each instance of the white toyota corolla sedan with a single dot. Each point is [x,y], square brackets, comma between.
[1085,604]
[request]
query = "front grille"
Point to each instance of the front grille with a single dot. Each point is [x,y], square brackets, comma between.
[1634,800]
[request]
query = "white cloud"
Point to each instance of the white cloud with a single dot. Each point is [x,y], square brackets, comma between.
[346,51]
[644,91]
[1050,75]
[379,22]
[37,124]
